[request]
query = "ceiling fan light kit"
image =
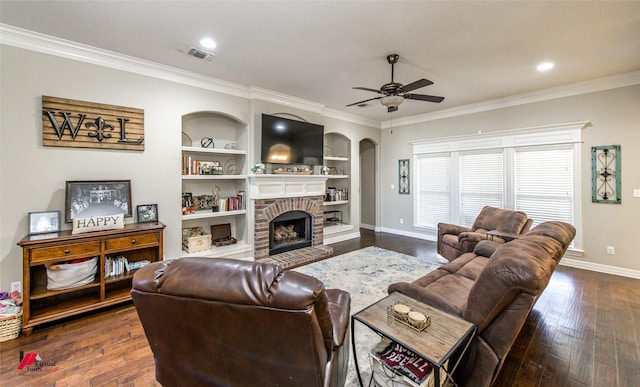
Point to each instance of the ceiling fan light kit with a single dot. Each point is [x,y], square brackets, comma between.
[394,93]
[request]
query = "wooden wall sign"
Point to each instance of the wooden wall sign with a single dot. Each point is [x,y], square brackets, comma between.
[80,124]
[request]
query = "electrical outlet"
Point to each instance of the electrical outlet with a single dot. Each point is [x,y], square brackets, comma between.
[393,186]
[611,250]
[16,286]
[636,192]
[401,221]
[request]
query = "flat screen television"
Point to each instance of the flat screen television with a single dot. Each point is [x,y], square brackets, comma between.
[286,141]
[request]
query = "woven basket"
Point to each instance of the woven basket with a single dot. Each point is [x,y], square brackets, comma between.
[10,326]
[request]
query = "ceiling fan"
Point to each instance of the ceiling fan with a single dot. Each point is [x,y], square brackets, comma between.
[394,93]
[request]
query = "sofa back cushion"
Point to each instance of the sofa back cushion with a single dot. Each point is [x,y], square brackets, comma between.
[491,218]
[521,266]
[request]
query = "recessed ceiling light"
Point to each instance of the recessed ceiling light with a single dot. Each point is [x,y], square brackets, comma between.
[208,43]
[545,66]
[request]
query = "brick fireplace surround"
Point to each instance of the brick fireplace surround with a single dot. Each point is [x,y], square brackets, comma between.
[268,209]
[273,195]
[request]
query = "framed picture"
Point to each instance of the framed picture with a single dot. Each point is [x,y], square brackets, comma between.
[147,213]
[44,222]
[85,199]
[403,176]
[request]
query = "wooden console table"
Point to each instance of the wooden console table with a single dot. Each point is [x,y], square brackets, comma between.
[435,344]
[137,242]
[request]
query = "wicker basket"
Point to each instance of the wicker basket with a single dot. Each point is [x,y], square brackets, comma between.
[10,326]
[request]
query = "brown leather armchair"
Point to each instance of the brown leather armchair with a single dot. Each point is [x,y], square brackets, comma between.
[225,322]
[454,240]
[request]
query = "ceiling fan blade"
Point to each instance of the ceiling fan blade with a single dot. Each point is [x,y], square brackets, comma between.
[417,84]
[422,97]
[392,109]
[366,100]
[368,89]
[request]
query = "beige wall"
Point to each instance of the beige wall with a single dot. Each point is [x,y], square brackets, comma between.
[615,119]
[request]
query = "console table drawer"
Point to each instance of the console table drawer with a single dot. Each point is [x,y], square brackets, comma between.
[132,241]
[70,251]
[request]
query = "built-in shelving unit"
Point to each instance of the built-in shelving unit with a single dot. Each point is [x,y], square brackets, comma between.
[337,204]
[218,170]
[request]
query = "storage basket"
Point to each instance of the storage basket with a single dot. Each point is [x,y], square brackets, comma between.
[71,275]
[197,243]
[10,326]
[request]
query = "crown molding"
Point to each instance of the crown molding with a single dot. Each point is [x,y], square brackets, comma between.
[29,40]
[283,99]
[607,83]
[342,116]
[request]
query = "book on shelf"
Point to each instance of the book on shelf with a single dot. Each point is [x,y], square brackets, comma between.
[119,265]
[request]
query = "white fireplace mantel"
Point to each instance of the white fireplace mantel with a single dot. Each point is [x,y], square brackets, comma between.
[286,186]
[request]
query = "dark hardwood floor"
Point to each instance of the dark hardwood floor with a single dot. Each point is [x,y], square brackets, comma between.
[583,331]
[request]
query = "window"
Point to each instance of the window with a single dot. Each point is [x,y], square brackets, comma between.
[433,190]
[535,170]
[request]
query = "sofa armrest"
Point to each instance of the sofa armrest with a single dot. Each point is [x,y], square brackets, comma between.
[339,303]
[469,240]
[447,228]
[426,296]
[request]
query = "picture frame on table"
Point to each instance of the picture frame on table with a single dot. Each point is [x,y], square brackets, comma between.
[87,198]
[147,213]
[43,222]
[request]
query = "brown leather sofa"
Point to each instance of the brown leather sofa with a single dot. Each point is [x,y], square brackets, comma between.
[494,287]
[454,240]
[225,322]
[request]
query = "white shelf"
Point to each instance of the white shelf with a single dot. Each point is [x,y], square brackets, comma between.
[338,228]
[219,151]
[214,177]
[336,158]
[223,251]
[211,214]
[337,176]
[335,203]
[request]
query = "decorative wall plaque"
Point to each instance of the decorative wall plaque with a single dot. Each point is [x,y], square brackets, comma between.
[403,176]
[79,124]
[606,177]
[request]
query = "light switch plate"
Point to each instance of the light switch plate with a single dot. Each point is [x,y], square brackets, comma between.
[636,192]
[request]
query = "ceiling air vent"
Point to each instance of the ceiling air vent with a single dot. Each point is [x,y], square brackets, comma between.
[200,54]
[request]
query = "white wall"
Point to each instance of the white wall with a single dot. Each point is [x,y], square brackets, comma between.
[615,119]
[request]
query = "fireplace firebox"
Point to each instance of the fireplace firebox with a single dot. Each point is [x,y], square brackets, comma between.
[289,231]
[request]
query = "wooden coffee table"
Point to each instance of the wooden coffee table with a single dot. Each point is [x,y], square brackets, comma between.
[435,344]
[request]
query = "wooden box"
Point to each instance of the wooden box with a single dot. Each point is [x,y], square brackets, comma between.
[221,235]
[194,244]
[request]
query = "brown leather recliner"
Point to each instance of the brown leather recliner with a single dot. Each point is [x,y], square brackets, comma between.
[454,240]
[226,322]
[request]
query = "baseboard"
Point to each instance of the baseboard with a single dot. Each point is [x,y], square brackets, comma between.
[409,234]
[600,268]
[368,226]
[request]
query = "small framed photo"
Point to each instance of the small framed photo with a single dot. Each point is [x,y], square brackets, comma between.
[44,222]
[147,213]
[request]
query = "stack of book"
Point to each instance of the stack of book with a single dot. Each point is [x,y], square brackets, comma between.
[115,266]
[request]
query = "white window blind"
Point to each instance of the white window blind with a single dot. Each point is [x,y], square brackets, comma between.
[544,183]
[434,191]
[481,183]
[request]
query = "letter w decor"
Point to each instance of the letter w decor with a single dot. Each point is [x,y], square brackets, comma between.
[79,124]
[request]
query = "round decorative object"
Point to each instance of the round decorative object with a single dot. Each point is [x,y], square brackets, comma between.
[230,167]
[186,140]
[417,318]
[207,142]
[401,309]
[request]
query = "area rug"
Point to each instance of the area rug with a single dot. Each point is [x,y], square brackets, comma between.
[366,274]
